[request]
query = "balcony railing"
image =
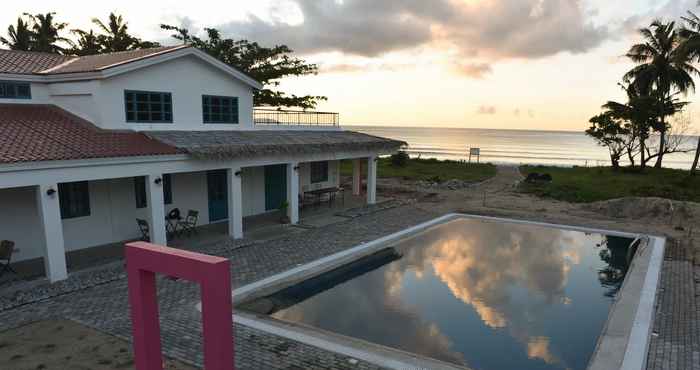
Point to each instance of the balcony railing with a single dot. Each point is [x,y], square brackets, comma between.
[294,118]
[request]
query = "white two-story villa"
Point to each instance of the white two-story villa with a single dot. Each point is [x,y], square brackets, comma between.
[90,144]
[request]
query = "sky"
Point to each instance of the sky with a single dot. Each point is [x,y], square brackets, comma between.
[507,64]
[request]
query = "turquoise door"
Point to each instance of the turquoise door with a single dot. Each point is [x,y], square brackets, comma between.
[218,195]
[275,186]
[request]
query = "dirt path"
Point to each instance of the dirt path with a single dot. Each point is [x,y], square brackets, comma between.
[505,179]
[65,344]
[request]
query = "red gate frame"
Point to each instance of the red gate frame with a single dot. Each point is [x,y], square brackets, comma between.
[143,261]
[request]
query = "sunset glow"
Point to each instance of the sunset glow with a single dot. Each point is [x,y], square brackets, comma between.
[527,64]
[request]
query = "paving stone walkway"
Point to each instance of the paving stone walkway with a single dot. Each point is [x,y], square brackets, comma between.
[674,345]
[675,341]
[105,307]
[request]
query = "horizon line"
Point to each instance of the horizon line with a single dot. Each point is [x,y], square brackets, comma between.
[454,127]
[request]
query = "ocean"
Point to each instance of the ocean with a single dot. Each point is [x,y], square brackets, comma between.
[561,148]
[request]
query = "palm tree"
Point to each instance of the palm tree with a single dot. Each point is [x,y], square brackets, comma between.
[20,36]
[690,47]
[116,36]
[88,43]
[46,33]
[661,68]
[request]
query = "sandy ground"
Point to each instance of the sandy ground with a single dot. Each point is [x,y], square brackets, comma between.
[499,196]
[66,345]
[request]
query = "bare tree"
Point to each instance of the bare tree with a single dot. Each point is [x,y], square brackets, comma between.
[676,138]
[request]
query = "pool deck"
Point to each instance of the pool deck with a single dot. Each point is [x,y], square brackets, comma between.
[102,303]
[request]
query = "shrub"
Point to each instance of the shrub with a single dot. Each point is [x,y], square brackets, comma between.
[399,159]
[435,179]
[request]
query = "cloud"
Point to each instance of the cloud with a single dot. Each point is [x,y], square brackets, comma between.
[352,68]
[538,347]
[488,29]
[486,109]
[473,70]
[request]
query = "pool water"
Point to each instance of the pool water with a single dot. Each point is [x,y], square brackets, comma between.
[483,294]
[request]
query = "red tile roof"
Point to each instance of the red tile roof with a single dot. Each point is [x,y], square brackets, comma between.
[29,62]
[30,132]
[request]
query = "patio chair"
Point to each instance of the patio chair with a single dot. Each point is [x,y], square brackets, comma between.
[145,229]
[6,249]
[172,221]
[189,224]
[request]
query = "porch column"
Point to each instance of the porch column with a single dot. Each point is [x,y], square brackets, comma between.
[372,180]
[52,226]
[154,194]
[293,192]
[356,176]
[235,199]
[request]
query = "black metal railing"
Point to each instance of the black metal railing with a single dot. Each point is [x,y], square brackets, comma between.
[294,117]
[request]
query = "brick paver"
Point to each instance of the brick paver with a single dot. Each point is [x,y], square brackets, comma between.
[105,307]
[675,343]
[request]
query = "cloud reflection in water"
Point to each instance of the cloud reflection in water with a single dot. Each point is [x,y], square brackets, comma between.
[505,285]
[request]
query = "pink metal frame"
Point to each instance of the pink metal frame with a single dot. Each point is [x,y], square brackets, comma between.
[143,261]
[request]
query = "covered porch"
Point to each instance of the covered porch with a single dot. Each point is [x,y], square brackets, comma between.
[52,210]
[62,227]
[261,227]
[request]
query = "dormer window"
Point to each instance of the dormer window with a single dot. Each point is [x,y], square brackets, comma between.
[148,106]
[219,109]
[15,90]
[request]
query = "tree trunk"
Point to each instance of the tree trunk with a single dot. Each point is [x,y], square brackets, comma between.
[630,156]
[643,162]
[695,162]
[662,149]
[662,142]
[615,161]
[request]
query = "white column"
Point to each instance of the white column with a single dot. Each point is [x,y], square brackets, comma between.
[50,215]
[293,192]
[371,180]
[235,201]
[154,194]
[356,176]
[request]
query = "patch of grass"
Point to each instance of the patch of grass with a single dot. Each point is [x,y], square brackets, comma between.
[429,169]
[591,184]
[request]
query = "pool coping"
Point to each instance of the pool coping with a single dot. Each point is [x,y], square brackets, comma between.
[622,344]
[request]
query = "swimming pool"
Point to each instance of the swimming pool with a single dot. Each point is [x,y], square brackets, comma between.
[468,292]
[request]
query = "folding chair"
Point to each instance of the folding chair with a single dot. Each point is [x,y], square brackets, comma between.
[6,249]
[145,229]
[189,224]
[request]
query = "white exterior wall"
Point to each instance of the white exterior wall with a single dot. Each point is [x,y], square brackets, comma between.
[20,222]
[305,177]
[187,79]
[39,91]
[190,192]
[112,216]
[78,98]
[113,211]
[253,189]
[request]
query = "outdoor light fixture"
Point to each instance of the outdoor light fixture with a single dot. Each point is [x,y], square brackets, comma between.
[50,192]
[296,168]
[376,159]
[237,173]
[158,180]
